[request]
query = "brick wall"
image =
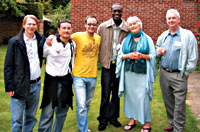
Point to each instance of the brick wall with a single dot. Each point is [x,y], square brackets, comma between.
[11,27]
[151,12]
[8,27]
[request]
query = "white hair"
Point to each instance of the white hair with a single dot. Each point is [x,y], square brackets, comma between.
[173,11]
[132,19]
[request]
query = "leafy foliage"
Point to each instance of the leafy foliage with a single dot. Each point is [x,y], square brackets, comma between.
[35,8]
[58,3]
[59,14]
[47,6]
[12,8]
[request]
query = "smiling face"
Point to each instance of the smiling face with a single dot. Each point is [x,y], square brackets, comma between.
[30,26]
[117,13]
[134,27]
[173,20]
[65,30]
[134,24]
[91,26]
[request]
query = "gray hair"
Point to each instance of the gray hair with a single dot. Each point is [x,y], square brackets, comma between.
[132,19]
[173,11]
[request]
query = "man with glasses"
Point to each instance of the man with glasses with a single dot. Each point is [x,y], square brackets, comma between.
[85,69]
[22,74]
[112,33]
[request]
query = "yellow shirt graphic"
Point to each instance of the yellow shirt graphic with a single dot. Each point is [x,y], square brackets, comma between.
[86,54]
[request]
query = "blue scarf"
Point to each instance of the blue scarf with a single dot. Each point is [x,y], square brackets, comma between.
[142,46]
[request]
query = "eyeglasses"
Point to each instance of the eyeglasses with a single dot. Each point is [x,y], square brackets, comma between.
[90,24]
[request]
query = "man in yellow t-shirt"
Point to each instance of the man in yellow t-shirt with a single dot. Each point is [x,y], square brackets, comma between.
[85,69]
[86,54]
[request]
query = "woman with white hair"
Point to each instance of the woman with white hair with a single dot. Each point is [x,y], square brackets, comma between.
[136,67]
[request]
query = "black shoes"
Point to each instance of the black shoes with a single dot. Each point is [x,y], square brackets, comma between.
[115,122]
[102,126]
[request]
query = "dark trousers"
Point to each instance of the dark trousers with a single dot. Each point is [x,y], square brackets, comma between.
[109,108]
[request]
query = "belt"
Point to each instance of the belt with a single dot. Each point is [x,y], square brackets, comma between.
[169,70]
[34,81]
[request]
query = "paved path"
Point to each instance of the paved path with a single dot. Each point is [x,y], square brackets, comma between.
[194,94]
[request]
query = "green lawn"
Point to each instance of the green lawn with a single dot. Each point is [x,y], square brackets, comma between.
[159,119]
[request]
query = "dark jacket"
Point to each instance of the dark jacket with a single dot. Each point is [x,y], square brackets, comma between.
[17,68]
[50,91]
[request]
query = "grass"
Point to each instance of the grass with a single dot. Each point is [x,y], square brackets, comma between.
[158,113]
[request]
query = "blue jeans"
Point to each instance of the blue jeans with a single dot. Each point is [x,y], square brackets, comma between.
[27,107]
[84,90]
[46,117]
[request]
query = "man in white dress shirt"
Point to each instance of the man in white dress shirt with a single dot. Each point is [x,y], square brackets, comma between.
[22,74]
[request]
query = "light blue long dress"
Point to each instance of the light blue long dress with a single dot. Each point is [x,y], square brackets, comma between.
[136,100]
[137,88]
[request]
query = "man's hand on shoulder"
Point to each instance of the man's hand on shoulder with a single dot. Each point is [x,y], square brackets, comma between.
[49,40]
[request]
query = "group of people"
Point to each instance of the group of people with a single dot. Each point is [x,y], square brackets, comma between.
[128,59]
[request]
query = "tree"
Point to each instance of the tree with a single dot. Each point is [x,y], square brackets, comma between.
[58,14]
[58,3]
[12,8]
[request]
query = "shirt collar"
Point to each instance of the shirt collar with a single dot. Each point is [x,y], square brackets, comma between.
[177,32]
[114,25]
[60,41]
[27,39]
